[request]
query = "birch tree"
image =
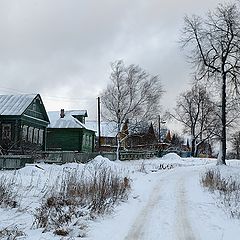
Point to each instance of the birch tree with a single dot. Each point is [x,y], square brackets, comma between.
[132,94]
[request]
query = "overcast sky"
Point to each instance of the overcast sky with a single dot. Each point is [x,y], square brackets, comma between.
[62,49]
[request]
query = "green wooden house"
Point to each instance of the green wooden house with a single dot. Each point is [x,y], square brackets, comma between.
[67,132]
[23,123]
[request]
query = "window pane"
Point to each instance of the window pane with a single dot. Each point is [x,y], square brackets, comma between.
[30,134]
[24,132]
[6,131]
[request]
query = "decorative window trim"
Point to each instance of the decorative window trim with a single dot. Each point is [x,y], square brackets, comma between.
[40,137]
[30,134]
[24,132]
[35,135]
[6,131]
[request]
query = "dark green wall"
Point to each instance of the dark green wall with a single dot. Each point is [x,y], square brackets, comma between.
[64,139]
[34,116]
[70,139]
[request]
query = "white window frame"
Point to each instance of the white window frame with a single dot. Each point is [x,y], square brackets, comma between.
[6,131]
[24,132]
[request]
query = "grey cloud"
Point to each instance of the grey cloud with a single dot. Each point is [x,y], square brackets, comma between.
[64,47]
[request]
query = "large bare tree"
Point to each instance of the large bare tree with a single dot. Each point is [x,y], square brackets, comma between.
[197,113]
[132,95]
[236,144]
[214,43]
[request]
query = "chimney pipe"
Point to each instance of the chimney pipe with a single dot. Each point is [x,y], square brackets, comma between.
[62,114]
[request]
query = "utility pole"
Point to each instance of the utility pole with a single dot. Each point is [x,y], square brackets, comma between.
[99,124]
[159,128]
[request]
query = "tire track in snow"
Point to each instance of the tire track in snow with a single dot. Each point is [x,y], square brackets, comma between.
[183,227]
[137,230]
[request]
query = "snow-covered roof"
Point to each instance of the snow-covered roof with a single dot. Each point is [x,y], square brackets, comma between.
[15,104]
[68,121]
[108,129]
[78,112]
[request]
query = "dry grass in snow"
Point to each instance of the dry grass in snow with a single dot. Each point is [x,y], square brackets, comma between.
[91,192]
[226,188]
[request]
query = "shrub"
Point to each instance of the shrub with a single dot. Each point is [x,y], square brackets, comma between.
[228,190]
[81,194]
[11,233]
[7,195]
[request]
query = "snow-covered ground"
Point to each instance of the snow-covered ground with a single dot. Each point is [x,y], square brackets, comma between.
[166,201]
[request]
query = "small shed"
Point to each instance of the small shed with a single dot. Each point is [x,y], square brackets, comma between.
[67,132]
[23,123]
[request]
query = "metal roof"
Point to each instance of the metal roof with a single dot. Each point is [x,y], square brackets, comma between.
[15,104]
[68,121]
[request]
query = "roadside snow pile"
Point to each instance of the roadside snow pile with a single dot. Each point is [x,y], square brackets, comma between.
[60,199]
[102,161]
[172,157]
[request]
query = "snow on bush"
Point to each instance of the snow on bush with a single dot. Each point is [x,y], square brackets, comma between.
[227,189]
[85,192]
[7,193]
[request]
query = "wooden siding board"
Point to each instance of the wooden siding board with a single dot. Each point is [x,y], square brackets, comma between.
[37,118]
[64,139]
[37,110]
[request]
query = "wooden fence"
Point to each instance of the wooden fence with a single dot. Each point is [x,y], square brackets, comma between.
[14,161]
[60,157]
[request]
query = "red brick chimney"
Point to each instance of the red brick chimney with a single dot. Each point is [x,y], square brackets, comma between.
[62,114]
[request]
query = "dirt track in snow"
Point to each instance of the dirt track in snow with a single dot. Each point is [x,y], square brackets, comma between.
[178,226]
[138,227]
[183,227]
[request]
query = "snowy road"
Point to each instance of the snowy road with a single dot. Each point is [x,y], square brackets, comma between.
[163,204]
[143,227]
[183,227]
[169,205]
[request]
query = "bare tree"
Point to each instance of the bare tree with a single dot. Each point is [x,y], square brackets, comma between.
[235,140]
[197,112]
[214,42]
[132,94]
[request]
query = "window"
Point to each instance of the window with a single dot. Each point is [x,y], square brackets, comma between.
[24,132]
[35,135]
[90,141]
[40,138]
[6,131]
[84,140]
[30,134]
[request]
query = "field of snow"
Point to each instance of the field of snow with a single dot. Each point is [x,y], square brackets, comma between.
[166,201]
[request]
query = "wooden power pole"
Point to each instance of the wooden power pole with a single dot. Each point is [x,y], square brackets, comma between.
[99,124]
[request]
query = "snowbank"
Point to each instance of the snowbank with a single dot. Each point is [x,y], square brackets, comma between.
[172,157]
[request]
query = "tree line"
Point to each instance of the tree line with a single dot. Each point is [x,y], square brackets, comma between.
[209,109]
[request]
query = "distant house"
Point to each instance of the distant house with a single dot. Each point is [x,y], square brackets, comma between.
[67,131]
[23,122]
[108,132]
[129,140]
[143,140]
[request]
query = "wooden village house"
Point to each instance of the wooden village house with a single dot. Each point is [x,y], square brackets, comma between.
[23,123]
[108,130]
[68,132]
